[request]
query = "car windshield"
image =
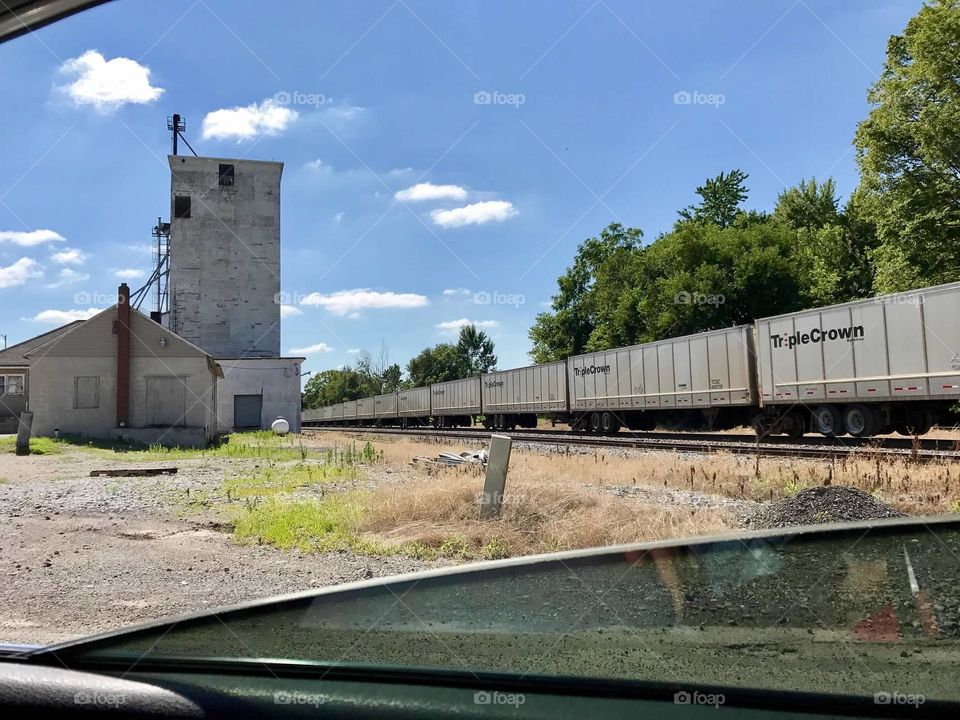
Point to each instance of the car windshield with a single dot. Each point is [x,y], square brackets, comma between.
[858,611]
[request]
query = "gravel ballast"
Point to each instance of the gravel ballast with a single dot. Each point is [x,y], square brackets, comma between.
[821,505]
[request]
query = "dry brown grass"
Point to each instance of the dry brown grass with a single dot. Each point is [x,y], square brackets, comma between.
[535,517]
[915,488]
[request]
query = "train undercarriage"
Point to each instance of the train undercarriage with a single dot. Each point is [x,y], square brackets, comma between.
[829,419]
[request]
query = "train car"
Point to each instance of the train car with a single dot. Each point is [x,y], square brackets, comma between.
[311,416]
[413,406]
[349,412]
[455,403]
[515,397]
[336,415]
[327,416]
[863,367]
[706,379]
[365,410]
[385,409]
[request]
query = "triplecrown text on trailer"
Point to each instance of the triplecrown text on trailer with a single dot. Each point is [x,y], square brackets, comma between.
[817,335]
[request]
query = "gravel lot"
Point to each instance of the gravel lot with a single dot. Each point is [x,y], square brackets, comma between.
[82,555]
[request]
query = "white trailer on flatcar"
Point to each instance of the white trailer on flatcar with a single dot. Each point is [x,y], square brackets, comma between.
[863,367]
[455,403]
[413,406]
[385,408]
[705,378]
[515,397]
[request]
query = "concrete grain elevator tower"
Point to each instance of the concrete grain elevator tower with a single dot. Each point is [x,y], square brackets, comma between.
[223,282]
[225,255]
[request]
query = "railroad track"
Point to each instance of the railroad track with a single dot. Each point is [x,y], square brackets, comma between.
[923,451]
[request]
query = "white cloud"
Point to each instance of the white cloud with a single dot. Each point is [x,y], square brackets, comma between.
[17,274]
[456,291]
[338,217]
[475,214]
[62,317]
[455,325]
[353,351]
[108,84]
[31,238]
[287,311]
[244,123]
[130,274]
[429,191]
[343,113]
[69,256]
[69,276]
[348,302]
[311,349]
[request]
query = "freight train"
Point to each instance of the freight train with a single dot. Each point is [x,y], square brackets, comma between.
[867,367]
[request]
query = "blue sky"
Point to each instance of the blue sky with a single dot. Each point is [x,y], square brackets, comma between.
[528,126]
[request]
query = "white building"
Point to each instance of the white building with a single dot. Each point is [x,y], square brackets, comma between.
[224,283]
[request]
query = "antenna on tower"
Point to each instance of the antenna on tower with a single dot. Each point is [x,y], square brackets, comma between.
[177,125]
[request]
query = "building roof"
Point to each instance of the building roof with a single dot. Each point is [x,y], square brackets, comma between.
[74,327]
[16,354]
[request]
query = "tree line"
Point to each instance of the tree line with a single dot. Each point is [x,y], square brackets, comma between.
[472,354]
[722,265]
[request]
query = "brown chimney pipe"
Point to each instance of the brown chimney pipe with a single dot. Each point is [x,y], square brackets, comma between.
[123,356]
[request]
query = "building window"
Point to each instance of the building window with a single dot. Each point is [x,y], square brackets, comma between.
[226,175]
[86,393]
[11,385]
[181,206]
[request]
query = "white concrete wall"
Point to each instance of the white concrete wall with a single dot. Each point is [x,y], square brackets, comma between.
[89,350]
[225,258]
[53,391]
[201,407]
[277,379]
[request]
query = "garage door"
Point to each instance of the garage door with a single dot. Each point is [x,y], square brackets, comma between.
[246,411]
[167,401]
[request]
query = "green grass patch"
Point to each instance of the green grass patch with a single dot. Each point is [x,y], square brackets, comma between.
[274,480]
[310,525]
[336,522]
[38,445]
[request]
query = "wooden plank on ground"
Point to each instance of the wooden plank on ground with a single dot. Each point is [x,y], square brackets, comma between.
[134,472]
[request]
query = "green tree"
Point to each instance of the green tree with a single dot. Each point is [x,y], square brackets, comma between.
[472,354]
[328,387]
[435,364]
[832,245]
[808,205]
[720,200]
[908,149]
[567,329]
[476,351]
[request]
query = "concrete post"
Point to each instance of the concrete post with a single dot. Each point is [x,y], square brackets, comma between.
[497,461]
[23,433]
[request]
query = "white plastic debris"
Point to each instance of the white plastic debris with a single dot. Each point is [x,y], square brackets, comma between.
[449,458]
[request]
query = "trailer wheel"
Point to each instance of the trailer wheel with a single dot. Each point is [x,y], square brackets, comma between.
[828,421]
[609,423]
[858,420]
[595,425]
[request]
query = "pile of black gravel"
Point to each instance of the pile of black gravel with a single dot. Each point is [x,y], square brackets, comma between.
[821,505]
